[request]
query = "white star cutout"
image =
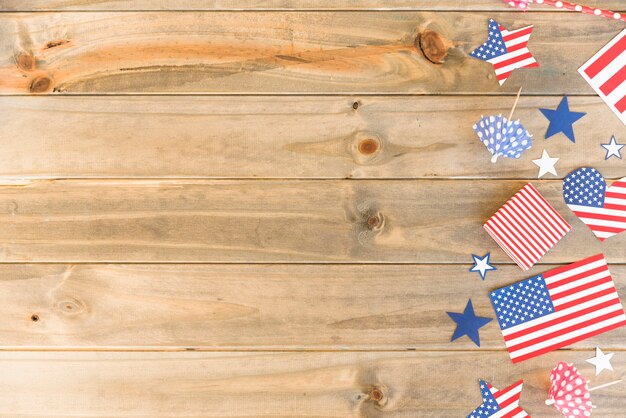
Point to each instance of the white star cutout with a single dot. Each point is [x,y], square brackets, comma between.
[481,265]
[601,361]
[545,164]
[613,149]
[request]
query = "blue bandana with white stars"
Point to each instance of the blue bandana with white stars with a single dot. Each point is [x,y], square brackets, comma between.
[584,187]
[489,405]
[522,302]
[494,47]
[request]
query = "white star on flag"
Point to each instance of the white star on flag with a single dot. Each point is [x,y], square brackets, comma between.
[546,164]
[601,361]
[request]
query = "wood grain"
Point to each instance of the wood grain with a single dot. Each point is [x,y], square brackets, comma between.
[285,137]
[132,5]
[244,307]
[269,221]
[329,385]
[282,52]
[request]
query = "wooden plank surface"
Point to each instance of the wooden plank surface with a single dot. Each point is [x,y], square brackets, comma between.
[283,52]
[269,221]
[329,385]
[131,5]
[244,307]
[285,137]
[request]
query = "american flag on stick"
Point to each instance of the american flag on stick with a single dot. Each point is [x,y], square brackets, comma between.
[526,227]
[558,308]
[500,403]
[606,73]
[506,50]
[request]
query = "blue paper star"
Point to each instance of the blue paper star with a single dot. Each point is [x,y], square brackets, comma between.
[468,323]
[561,120]
[481,265]
[613,149]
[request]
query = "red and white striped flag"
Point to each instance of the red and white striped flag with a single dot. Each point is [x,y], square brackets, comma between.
[558,308]
[606,73]
[506,50]
[526,227]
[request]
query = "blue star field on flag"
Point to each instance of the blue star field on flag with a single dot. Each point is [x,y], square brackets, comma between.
[522,302]
[584,187]
[561,120]
[494,47]
[468,323]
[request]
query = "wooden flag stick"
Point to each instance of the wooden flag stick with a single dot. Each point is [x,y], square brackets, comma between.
[515,104]
[605,385]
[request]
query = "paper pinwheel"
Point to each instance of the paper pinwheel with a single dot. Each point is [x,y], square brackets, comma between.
[502,137]
[500,403]
[569,392]
[525,4]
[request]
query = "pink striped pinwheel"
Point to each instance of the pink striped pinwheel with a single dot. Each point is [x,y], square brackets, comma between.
[525,4]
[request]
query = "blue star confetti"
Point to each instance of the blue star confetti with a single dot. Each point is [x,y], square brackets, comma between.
[468,323]
[613,149]
[482,265]
[561,120]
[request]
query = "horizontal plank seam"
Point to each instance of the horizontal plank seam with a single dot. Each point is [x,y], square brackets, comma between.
[290,10]
[272,263]
[296,94]
[264,350]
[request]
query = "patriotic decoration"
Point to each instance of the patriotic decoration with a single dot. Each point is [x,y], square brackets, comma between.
[500,403]
[601,361]
[569,392]
[482,265]
[525,5]
[558,308]
[468,323]
[613,149]
[502,137]
[561,120]
[606,73]
[506,50]
[602,209]
[526,227]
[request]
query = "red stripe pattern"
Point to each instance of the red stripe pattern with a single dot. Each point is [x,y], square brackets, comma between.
[558,308]
[526,227]
[606,73]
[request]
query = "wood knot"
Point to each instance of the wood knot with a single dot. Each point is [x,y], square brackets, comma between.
[34,318]
[434,46]
[71,306]
[355,105]
[25,61]
[378,396]
[375,222]
[40,84]
[368,146]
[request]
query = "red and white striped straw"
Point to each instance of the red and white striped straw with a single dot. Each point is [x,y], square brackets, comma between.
[524,5]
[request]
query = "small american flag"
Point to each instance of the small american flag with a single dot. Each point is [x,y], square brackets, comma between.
[606,73]
[500,403]
[506,50]
[602,210]
[558,308]
[526,227]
